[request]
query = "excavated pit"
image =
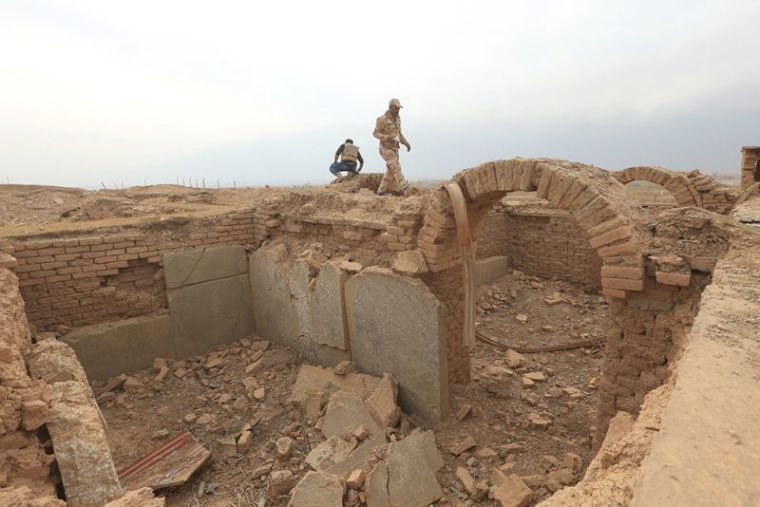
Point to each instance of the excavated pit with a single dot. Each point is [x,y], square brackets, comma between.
[589,332]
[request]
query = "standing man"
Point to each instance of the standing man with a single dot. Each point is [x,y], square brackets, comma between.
[349,154]
[388,131]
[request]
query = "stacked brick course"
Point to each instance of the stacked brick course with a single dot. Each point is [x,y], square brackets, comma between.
[76,280]
[750,155]
[600,208]
[689,189]
[540,241]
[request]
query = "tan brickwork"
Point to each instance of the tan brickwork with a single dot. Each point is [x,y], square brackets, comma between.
[76,280]
[688,189]
[540,241]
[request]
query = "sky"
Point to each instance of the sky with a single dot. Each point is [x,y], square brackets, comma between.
[125,93]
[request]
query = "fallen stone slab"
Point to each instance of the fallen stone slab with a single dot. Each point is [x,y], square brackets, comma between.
[376,487]
[515,359]
[81,448]
[411,479]
[344,413]
[462,445]
[465,479]
[281,482]
[382,403]
[410,262]
[424,442]
[53,361]
[314,377]
[510,490]
[328,453]
[356,479]
[318,489]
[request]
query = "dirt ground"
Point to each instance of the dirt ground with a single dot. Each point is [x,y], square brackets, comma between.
[31,208]
[26,209]
[207,396]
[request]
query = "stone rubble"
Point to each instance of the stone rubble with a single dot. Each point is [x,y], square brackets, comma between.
[356,463]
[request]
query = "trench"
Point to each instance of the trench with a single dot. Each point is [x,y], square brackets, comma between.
[531,419]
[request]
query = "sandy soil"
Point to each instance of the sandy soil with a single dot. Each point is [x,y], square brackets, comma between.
[26,209]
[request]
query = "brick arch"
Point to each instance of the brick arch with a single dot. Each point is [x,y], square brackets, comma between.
[683,190]
[598,203]
[648,312]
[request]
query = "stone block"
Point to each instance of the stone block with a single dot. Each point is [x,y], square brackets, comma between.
[203,265]
[610,237]
[344,413]
[394,321]
[273,312]
[488,270]
[622,284]
[411,478]
[81,449]
[673,278]
[294,308]
[328,314]
[111,348]
[211,313]
[631,273]
[377,486]
[318,488]
[313,377]
[504,175]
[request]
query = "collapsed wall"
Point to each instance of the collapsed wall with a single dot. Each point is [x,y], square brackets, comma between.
[25,466]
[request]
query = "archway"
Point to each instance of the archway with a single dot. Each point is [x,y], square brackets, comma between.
[600,205]
[684,192]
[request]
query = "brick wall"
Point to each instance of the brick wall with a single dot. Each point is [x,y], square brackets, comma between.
[750,155]
[540,241]
[714,196]
[79,279]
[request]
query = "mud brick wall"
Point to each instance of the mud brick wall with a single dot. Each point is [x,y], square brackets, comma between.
[540,241]
[77,279]
[448,287]
[368,242]
[642,353]
[750,154]
[23,403]
[713,195]
[494,234]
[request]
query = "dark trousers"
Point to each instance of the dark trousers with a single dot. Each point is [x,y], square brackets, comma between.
[343,165]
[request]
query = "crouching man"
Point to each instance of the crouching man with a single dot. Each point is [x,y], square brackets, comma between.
[349,155]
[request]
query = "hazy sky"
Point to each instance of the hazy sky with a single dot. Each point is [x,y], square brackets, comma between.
[264,92]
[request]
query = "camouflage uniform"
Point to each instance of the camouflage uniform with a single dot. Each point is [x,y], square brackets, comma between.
[388,131]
